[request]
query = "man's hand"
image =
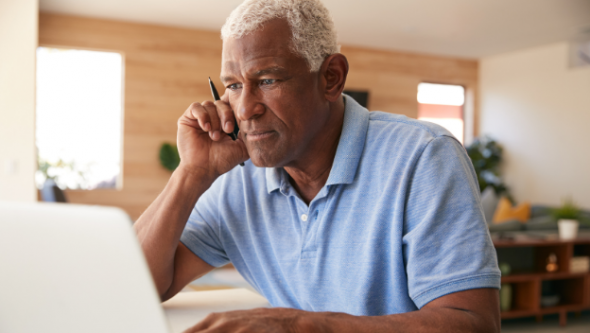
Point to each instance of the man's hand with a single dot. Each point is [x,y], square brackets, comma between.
[275,320]
[203,142]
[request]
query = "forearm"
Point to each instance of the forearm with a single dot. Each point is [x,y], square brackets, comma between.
[424,320]
[159,228]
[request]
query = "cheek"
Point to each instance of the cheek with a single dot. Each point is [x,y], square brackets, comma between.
[234,99]
[292,107]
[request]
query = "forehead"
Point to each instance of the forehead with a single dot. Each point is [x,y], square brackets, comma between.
[266,47]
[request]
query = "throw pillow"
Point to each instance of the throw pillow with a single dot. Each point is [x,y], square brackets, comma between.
[505,211]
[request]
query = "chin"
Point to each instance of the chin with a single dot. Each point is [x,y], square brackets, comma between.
[267,154]
[263,159]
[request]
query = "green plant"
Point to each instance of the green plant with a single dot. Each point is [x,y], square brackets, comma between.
[486,156]
[169,157]
[567,211]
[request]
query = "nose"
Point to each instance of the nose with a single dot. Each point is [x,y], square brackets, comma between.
[249,105]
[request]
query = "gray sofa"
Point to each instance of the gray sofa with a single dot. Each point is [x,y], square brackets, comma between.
[541,218]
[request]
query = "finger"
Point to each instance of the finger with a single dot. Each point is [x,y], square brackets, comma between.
[185,120]
[197,328]
[198,112]
[226,116]
[211,109]
[238,147]
[204,324]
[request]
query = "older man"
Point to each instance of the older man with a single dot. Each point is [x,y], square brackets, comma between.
[344,220]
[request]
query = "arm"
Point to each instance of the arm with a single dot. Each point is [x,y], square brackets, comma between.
[159,228]
[475,310]
[205,155]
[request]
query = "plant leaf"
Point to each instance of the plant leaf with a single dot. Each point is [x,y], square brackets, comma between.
[169,157]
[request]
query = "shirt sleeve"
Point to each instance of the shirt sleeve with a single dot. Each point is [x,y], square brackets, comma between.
[446,243]
[202,233]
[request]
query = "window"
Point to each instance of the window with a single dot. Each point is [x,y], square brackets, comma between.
[443,104]
[79,118]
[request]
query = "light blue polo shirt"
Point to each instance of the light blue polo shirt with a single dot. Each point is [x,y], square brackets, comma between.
[398,223]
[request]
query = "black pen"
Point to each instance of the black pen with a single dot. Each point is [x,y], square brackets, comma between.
[233,135]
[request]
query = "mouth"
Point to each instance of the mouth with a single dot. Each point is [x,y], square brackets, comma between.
[258,135]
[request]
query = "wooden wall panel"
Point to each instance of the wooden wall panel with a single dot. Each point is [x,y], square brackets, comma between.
[392,78]
[166,69]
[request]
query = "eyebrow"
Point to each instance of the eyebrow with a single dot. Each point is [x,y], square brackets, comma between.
[262,72]
[270,70]
[226,78]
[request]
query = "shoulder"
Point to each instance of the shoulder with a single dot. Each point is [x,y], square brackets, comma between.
[401,125]
[238,178]
[403,135]
[230,189]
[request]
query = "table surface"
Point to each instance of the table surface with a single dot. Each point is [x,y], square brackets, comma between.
[188,308]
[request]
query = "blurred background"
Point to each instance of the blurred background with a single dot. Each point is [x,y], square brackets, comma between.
[90,92]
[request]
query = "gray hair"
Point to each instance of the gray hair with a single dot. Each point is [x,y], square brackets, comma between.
[314,35]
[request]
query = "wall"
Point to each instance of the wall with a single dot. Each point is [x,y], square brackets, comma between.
[166,69]
[392,78]
[18,43]
[539,109]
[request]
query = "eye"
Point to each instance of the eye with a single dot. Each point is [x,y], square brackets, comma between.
[234,86]
[266,82]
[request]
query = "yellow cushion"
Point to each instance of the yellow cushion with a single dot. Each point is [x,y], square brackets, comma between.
[505,211]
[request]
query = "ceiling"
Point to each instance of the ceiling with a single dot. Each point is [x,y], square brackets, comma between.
[463,28]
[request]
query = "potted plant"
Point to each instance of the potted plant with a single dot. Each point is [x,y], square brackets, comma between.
[169,157]
[567,217]
[486,156]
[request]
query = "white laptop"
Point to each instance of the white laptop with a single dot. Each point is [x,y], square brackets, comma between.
[70,268]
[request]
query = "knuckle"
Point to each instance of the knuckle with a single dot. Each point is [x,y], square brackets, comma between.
[214,117]
[212,315]
[223,106]
[203,115]
[195,110]
[220,104]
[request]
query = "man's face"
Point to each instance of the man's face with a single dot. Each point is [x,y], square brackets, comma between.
[278,103]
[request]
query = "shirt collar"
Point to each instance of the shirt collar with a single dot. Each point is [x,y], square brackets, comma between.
[273,178]
[348,153]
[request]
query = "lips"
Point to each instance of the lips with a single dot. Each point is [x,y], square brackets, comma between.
[258,135]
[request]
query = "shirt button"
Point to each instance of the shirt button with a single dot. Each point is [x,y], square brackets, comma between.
[304,217]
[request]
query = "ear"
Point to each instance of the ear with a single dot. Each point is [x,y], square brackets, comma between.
[333,74]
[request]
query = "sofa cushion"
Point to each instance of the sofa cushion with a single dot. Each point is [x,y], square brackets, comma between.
[546,222]
[512,225]
[541,210]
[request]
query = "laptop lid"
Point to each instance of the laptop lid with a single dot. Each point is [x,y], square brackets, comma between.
[72,268]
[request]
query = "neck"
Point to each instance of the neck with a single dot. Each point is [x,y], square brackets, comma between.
[309,174]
